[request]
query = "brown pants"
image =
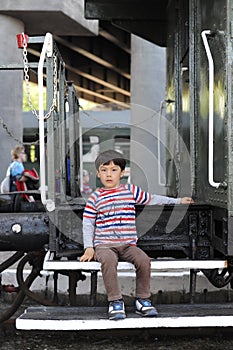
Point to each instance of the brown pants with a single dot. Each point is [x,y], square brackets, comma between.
[109,255]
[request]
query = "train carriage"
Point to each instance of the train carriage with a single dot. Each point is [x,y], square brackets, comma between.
[199,82]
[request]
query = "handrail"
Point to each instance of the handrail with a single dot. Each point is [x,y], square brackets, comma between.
[211,110]
[81,156]
[161,183]
[47,49]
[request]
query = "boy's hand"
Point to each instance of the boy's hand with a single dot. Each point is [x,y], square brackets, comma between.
[186,200]
[88,254]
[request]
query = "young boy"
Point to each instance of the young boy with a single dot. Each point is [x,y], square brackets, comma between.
[109,232]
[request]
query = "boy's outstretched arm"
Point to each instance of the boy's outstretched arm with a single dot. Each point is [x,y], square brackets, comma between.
[88,254]
[186,200]
[162,200]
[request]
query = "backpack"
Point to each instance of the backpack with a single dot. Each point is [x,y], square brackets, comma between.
[5,184]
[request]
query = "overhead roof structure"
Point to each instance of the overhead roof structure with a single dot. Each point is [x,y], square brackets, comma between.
[145,18]
[98,65]
[95,41]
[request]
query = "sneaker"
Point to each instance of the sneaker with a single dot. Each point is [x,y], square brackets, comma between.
[116,310]
[143,307]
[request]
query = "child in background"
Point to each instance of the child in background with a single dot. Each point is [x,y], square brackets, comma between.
[86,188]
[18,156]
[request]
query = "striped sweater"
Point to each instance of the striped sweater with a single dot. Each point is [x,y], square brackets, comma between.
[109,215]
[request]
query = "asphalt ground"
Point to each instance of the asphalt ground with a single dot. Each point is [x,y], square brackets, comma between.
[11,339]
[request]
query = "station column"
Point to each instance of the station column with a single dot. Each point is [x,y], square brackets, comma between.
[11,125]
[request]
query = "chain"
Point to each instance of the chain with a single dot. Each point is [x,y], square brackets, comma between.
[26,78]
[5,127]
[53,106]
[9,132]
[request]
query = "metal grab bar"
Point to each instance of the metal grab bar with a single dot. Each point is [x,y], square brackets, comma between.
[46,49]
[81,156]
[161,183]
[211,110]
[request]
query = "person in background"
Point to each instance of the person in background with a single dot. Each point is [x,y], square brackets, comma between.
[18,156]
[109,232]
[86,188]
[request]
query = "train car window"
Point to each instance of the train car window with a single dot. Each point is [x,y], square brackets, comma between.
[122,144]
[33,158]
[90,148]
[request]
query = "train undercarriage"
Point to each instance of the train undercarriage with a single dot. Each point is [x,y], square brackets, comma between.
[191,238]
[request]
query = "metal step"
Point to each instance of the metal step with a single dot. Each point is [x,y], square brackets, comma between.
[162,264]
[95,318]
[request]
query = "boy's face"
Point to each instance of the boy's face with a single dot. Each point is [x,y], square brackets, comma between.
[110,175]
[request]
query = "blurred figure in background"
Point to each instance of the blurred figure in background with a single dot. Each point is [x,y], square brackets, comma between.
[86,188]
[18,156]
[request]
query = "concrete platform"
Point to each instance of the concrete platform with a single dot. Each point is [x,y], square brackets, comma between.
[95,318]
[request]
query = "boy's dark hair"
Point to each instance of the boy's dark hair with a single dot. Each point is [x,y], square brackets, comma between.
[106,157]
